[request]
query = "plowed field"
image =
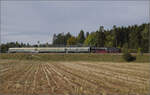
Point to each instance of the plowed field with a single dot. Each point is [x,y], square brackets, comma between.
[67,78]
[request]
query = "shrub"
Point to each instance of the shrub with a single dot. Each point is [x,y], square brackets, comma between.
[125,48]
[128,57]
[29,57]
[132,50]
[140,51]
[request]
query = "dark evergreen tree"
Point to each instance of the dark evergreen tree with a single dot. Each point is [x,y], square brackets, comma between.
[87,34]
[81,37]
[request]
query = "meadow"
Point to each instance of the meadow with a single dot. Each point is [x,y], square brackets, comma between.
[112,57]
[73,74]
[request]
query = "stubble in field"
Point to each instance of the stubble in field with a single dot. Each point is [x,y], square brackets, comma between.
[45,77]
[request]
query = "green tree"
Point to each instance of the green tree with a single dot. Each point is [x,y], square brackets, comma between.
[134,41]
[81,37]
[109,41]
[90,40]
[87,34]
[4,48]
[115,36]
[67,36]
[38,42]
[54,39]
[72,41]
[61,39]
[100,37]
[145,38]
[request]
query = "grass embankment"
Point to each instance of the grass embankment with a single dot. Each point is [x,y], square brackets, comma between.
[73,57]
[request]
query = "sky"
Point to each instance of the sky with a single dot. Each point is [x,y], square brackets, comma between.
[32,21]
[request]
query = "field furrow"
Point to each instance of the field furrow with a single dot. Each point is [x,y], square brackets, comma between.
[78,78]
[121,69]
[81,78]
[28,80]
[12,83]
[125,75]
[110,78]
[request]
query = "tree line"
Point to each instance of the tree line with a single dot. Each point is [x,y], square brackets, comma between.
[135,37]
[132,37]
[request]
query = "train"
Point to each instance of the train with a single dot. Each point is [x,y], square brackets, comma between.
[64,50]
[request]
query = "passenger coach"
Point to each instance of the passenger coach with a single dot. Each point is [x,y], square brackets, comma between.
[64,50]
[51,50]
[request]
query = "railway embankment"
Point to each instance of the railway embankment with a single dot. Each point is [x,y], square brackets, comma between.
[74,57]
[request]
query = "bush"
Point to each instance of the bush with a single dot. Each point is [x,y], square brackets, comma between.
[132,50]
[128,57]
[29,57]
[140,51]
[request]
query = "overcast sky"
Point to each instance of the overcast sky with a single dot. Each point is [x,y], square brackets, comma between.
[32,21]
